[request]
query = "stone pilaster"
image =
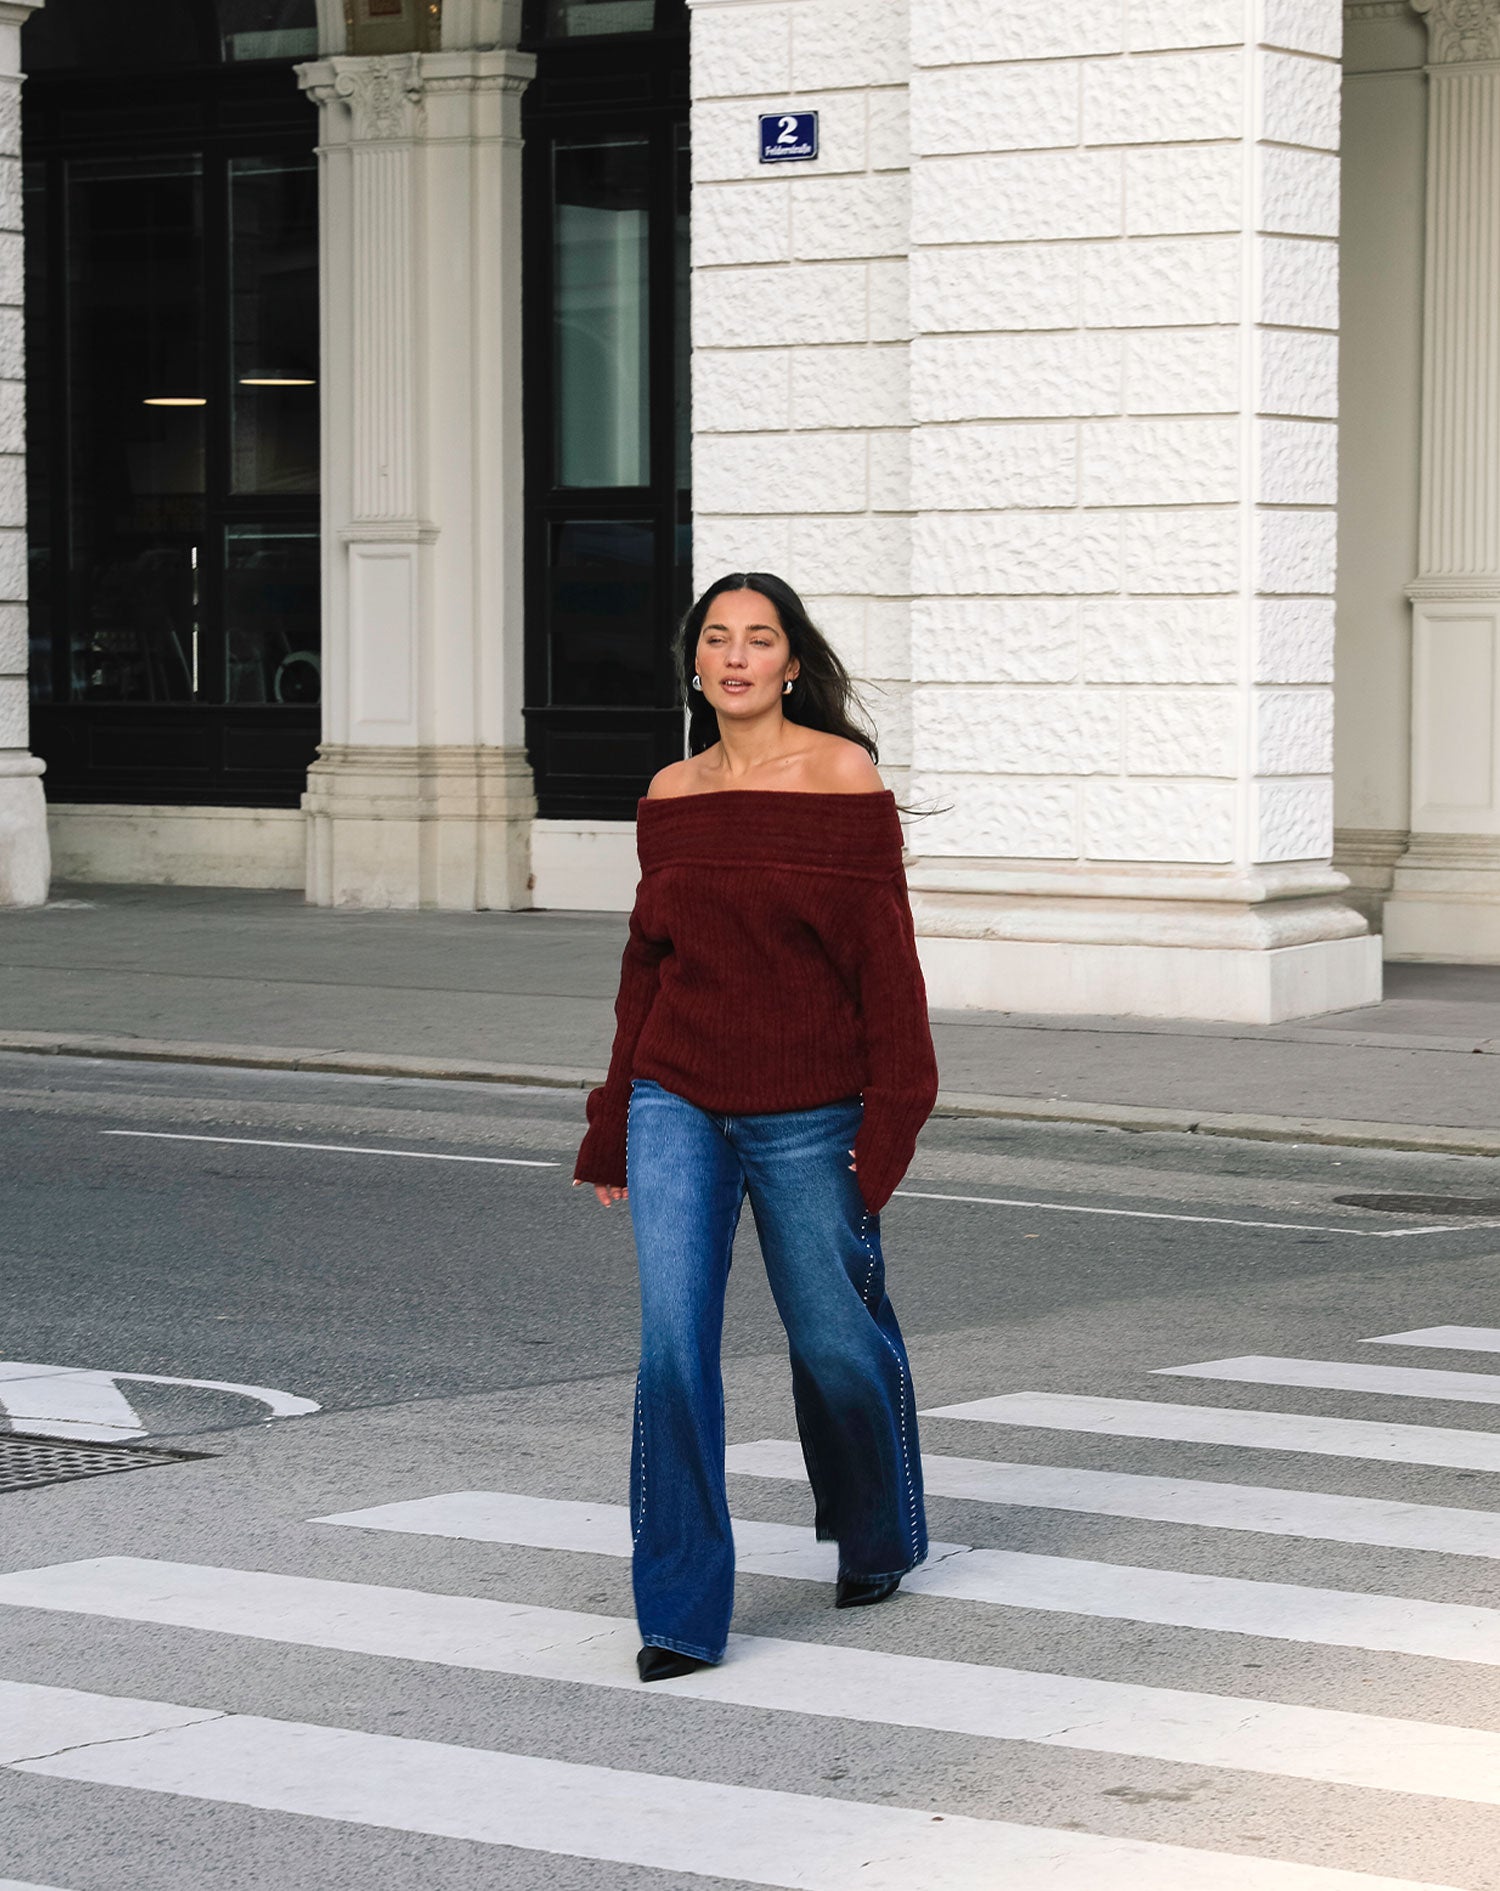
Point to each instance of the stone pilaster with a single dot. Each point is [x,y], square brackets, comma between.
[24,854]
[1445,902]
[421,795]
[1124,392]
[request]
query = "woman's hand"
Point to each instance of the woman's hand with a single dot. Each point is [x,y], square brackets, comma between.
[607,1192]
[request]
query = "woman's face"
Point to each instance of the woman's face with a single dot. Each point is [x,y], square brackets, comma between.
[743,656]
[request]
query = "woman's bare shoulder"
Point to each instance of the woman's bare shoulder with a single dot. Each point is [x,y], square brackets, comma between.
[677,778]
[839,766]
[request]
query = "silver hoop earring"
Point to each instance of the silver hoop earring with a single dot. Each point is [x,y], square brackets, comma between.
[786,688]
[697,681]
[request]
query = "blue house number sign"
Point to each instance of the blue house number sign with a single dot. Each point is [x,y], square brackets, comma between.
[788,137]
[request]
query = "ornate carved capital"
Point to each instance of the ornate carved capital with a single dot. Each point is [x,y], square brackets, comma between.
[1461,30]
[384,95]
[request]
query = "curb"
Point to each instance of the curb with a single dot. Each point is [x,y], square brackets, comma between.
[145,1050]
[1427,1138]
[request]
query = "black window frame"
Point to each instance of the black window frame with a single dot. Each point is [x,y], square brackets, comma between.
[202,753]
[627,85]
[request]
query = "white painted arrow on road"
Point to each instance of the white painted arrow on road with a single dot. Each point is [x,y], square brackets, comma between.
[74,1402]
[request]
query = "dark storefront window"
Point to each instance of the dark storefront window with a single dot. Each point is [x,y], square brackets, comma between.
[172,348]
[583,19]
[607,427]
[134,429]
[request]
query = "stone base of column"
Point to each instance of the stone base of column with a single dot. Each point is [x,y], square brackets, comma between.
[1367,857]
[1241,949]
[25,857]
[1152,981]
[447,828]
[1445,900]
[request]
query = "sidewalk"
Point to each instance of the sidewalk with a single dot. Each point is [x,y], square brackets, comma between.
[261,979]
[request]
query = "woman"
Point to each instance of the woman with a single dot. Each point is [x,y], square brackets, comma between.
[772,1041]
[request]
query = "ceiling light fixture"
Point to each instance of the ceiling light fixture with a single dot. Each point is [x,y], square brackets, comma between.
[175,400]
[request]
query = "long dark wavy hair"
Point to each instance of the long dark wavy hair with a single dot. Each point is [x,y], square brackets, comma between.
[822,697]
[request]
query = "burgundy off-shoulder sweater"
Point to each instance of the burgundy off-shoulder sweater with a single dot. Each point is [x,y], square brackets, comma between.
[772,965]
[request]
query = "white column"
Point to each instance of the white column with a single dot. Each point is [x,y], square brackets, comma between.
[421,795]
[1124,369]
[24,856]
[1445,903]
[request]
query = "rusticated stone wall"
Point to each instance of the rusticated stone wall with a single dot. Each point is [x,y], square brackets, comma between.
[800,324]
[25,862]
[1124,273]
[1030,382]
[1038,403]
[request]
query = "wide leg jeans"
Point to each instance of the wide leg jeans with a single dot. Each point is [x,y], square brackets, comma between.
[689,1172]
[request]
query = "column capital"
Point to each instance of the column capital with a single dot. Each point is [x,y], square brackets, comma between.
[1460,32]
[387,94]
[384,95]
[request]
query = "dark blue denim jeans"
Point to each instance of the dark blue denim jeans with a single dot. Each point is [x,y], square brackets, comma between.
[689,1173]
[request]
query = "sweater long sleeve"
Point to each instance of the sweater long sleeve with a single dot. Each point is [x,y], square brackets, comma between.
[601,1158]
[772,966]
[875,946]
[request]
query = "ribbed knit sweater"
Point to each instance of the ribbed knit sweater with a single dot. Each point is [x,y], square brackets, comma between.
[772,965]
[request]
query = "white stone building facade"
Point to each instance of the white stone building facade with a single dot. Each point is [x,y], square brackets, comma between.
[1031,382]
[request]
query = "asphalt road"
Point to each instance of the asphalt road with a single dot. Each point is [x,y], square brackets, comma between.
[410,1258]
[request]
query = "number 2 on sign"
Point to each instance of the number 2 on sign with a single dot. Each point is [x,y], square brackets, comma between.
[788,130]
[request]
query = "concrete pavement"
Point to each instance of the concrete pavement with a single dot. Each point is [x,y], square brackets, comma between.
[261,979]
[1231,1631]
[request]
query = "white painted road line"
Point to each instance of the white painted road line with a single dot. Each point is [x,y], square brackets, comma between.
[654,1820]
[55,1402]
[15,1884]
[859,1685]
[76,1402]
[1456,1339]
[1308,1514]
[1335,1375]
[1066,1585]
[1254,1431]
[332,1148]
[1147,1214]
[550,1523]
[35,1721]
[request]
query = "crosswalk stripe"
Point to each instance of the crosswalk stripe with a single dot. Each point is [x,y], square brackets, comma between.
[15,1884]
[1310,1514]
[1214,1425]
[1334,1618]
[1004,1578]
[1456,1339]
[39,1720]
[830,1682]
[1337,1375]
[554,1523]
[658,1821]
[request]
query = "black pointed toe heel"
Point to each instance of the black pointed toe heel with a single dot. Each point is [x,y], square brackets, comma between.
[665,1664]
[860,1592]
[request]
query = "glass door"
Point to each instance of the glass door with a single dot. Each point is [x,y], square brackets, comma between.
[172,412]
[608,504]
